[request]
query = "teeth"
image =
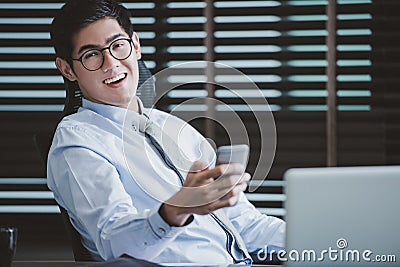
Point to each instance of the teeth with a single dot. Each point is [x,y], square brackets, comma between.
[114,79]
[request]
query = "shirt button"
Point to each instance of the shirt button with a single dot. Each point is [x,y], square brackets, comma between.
[145,244]
[134,127]
[161,230]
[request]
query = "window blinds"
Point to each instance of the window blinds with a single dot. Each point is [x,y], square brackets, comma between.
[280,45]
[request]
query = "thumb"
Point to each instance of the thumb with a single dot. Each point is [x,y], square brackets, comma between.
[198,166]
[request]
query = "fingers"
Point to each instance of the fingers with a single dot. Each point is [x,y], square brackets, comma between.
[235,191]
[226,170]
[218,204]
[201,189]
[199,172]
[197,166]
[223,192]
[225,202]
[197,176]
[222,203]
[233,180]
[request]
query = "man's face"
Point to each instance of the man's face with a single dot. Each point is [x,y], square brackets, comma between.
[115,83]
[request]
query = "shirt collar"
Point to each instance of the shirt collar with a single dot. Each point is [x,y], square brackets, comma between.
[116,114]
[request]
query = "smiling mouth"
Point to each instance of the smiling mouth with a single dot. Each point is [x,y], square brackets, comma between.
[115,79]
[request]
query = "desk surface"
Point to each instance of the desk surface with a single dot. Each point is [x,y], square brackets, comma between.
[44,264]
[94,264]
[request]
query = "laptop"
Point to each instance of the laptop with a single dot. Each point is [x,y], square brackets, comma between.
[343,216]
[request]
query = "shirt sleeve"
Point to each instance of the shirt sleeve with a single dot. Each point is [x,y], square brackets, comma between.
[88,185]
[259,231]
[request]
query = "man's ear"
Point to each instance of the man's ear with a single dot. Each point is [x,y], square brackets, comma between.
[136,45]
[65,69]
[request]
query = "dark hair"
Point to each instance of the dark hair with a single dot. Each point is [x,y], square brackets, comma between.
[74,16]
[77,14]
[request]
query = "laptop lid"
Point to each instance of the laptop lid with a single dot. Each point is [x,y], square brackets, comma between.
[343,216]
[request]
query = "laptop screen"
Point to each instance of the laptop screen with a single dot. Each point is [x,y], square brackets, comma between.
[343,216]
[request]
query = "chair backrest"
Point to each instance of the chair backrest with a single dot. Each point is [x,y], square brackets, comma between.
[79,251]
[42,141]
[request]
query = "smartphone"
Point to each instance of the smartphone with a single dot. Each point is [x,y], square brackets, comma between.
[233,154]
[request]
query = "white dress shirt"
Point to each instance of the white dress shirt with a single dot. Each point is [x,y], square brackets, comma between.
[113,200]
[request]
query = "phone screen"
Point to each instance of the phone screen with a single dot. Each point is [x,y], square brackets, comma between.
[233,154]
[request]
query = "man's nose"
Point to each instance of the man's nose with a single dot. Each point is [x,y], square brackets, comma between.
[109,61]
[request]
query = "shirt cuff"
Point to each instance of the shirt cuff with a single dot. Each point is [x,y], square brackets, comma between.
[160,227]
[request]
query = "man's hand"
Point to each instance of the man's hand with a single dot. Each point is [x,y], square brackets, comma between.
[205,191]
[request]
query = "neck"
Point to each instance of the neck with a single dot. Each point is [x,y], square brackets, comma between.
[134,105]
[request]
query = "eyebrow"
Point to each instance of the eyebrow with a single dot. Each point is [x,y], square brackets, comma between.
[92,46]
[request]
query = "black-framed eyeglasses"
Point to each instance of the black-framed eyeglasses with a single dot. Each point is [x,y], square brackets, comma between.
[93,59]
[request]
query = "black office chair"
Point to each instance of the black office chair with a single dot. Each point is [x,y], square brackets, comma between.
[42,141]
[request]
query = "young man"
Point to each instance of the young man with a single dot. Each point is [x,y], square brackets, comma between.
[107,201]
